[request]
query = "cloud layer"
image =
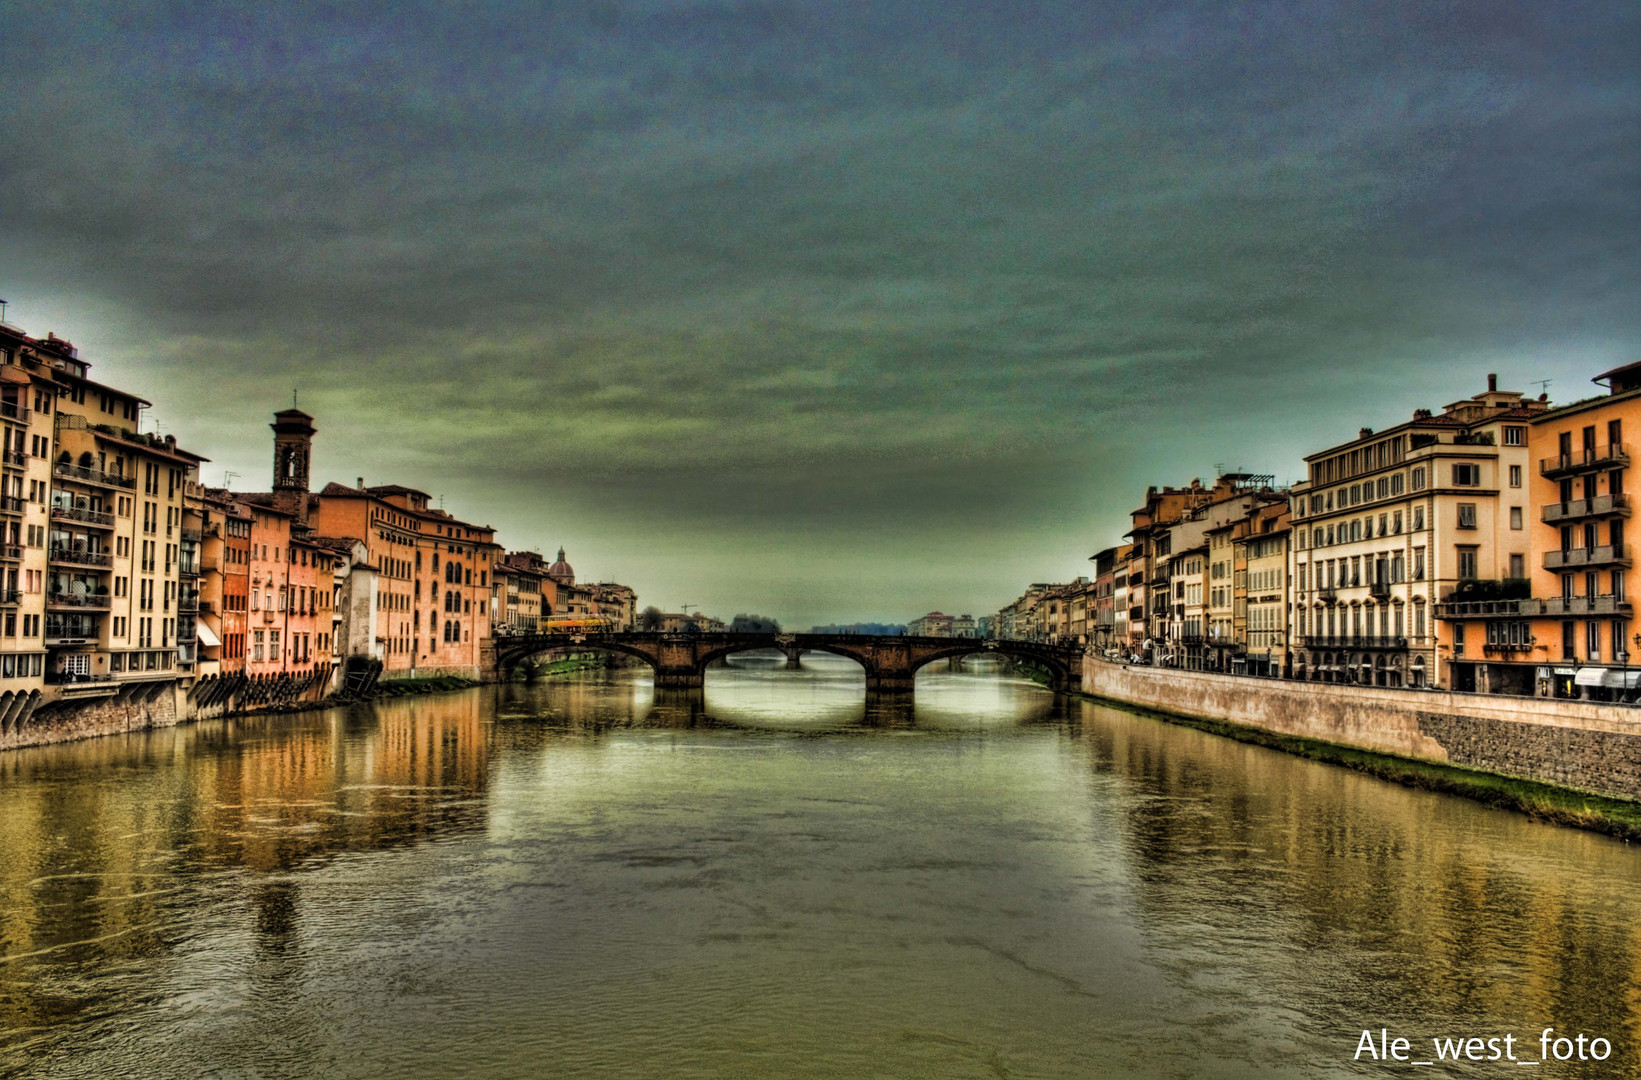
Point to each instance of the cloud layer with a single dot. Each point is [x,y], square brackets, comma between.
[835,311]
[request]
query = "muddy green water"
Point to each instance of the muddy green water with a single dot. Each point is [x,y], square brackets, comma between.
[579,879]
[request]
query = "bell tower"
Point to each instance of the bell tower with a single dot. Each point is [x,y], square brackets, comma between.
[293,451]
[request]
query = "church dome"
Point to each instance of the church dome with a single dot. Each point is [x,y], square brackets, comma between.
[562,571]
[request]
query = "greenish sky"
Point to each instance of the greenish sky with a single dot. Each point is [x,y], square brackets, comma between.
[828,311]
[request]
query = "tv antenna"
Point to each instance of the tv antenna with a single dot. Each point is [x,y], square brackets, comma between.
[228,478]
[1542,384]
[686,607]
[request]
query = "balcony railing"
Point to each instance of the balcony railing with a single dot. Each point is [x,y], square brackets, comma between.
[1379,588]
[1354,641]
[84,514]
[75,678]
[12,411]
[76,629]
[190,535]
[1589,556]
[1587,605]
[1327,594]
[187,568]
[80,556]
[1582,508]
[14,459]
[85,474]
[1482,609]
[10,552]
[88,601]
[188,602]
[10,597]
[12,504]
[1506,648]
[1585,457]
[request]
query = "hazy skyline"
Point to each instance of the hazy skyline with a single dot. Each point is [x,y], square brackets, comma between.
[828,312]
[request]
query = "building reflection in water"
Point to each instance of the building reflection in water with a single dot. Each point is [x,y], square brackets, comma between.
[112,845]
[1424,913]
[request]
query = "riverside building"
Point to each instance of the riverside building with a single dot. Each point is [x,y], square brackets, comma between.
[1390,524]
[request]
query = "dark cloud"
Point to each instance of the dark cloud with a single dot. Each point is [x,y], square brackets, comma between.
[840,311]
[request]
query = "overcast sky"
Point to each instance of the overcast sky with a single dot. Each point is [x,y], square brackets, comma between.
[830,311]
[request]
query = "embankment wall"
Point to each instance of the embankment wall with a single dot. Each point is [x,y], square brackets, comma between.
[1588,747]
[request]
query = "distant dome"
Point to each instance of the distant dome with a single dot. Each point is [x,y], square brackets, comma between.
[562,571]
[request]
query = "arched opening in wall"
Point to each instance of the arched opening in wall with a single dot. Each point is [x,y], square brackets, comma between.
[1416,673]
[761,688]
[1381,674]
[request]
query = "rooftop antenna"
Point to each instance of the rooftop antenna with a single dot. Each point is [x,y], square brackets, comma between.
[293,397]
[1542,384]
[228,478]
[686,607]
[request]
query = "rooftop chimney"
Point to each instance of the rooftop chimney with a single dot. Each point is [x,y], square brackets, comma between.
[361,484]
[1492,383]
[1364,433]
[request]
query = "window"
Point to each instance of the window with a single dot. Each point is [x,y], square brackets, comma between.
[1418,565]
[1518,566]
[1466,475]
[1515,435]
[1515,517]
[1592,640]
[1568,639]
[1515,476]
[1418,479]
[1396,523]
[1467,515]
[1467,562]
[1418,519]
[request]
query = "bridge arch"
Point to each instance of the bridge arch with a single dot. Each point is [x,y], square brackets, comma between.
[509,657]
[809,645]
[1057,666]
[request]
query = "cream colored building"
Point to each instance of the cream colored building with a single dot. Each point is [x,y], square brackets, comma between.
[1387,525]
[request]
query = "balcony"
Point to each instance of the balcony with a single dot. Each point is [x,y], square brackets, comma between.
[60,630]
[14,459]
[190,536]
[1600,506]
[10,597]
[10,552]
[1587,605]
[80,556]
[69,601]
[84,515]
[1488,609]
[187,568]
[12,411]
[12,504]
[1511,648]
[1354,641]
[1379,590]
[85,474]
[76,680]
[1585,457]
[1328,594]
[1591,556]
[188,601]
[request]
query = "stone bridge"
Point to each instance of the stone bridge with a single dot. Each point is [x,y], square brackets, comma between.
[891,663]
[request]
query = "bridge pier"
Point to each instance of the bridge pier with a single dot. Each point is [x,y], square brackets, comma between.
[889,684]
[679,679]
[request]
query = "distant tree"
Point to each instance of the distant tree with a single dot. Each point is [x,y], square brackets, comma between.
[650,618]
[753,624]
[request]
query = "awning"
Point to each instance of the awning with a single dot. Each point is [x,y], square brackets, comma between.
[1614,678]
[206,637]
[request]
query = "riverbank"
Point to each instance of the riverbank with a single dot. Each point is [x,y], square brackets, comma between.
[1552,765]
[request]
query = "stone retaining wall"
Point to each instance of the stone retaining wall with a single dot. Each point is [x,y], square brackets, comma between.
[1589,747]
[64,721]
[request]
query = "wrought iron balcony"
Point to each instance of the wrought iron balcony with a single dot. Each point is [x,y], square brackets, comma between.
[85,474]
[77,628]
[1600,506]
[1585,457]
[80,556]
[1507,648]
[1589,556]
[71,600]
[14,459]
[76,678]
[1354,641]
[1380,589]
[12,504]
[1327,594]
[10,597]
[83,514]
[12,411]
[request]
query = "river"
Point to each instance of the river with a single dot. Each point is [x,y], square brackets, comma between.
[777,879]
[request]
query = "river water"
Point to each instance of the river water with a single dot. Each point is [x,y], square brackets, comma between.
[580,879]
